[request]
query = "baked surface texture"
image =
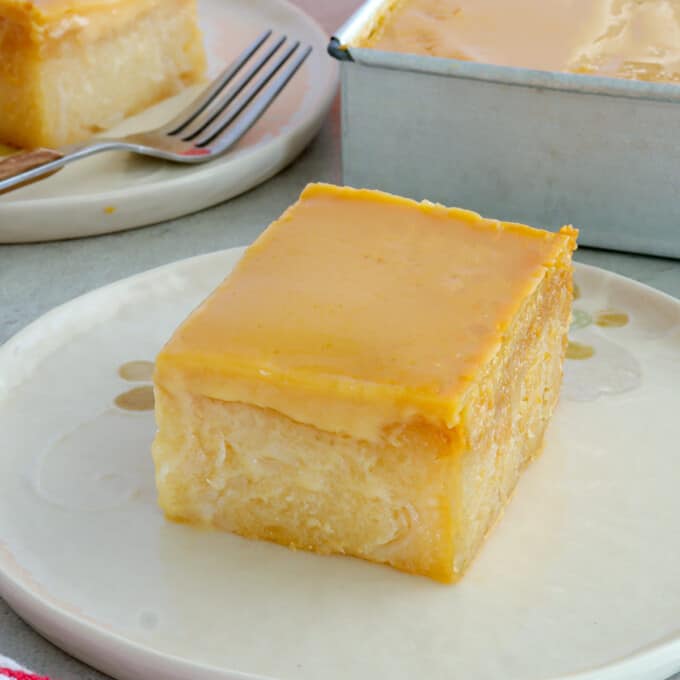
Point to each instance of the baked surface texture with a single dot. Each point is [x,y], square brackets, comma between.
[370,380]
[635,39]
[71,69]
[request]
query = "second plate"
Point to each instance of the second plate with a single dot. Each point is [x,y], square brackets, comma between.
[117,191]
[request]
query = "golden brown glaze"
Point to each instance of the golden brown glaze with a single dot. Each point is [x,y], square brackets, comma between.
[136,371]
[610,318]
[347,300]
[637,39]
[577,350]
[136,399]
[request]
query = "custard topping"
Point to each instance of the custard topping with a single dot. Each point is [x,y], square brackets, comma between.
[638,39]
[356,298]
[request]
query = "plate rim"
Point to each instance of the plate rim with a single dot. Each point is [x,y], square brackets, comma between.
[54,622]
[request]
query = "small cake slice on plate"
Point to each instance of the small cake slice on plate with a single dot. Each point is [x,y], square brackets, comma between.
[70,68]
[370,380]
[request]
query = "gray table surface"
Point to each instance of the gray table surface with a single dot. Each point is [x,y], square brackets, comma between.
[35,278]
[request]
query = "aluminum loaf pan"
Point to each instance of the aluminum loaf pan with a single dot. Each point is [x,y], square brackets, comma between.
[531,146]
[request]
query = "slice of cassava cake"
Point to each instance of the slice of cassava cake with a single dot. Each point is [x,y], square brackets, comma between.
[71,68]
[370,380]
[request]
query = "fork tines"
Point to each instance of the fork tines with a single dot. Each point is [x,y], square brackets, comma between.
[241,94]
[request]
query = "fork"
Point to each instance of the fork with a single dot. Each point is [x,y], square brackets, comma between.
[215,121]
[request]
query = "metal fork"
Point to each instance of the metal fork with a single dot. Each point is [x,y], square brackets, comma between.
[208,127]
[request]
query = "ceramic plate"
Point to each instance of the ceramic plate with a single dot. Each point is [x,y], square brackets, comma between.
[580,577]
[117,191]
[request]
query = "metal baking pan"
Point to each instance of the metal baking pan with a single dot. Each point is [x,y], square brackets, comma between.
[538,147]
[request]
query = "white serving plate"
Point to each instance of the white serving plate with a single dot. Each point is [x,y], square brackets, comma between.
[117,191]
[579,580]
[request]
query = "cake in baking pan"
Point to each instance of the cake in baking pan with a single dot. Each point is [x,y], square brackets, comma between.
[637,39]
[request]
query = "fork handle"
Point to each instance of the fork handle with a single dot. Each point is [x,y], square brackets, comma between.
[27,167]
[20,163]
